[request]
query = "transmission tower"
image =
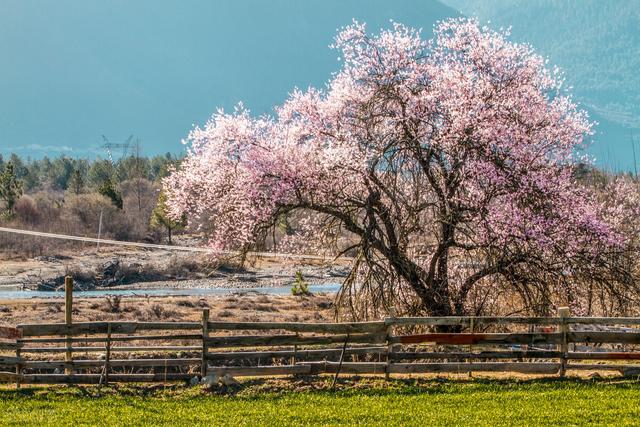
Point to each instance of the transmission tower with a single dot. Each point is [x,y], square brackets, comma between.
[110,147]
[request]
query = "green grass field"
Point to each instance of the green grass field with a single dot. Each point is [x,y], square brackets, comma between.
[363,402]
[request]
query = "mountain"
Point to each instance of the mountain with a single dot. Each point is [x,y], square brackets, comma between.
[74,70]
[597,44]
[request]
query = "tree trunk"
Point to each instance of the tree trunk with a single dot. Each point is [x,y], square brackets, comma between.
[434,296]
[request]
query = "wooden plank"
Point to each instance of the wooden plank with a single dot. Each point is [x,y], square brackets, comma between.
[348,367]
[99,339]
[300,354]
[114,349]
[465,339]
[354,327]
[106,369]
[205,335]
[18,369]
[609,355]
[63,349]
[10,333]
[68,308]
[390,346]
[10,360]
[466,321]
[95,379]
[407,368]
[605,337]
[9,346]
[81,328]
[84,364]
[519,367]
[10,377]
[631,371]
[259,371]
[600,367]
[340,328]
[604,320]
[563,347]
[280,340]
[477,355]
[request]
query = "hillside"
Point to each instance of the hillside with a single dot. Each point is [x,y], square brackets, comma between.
[597,44]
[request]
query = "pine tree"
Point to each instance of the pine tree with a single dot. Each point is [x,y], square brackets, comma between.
[108,190]
[76,183]
[10,187]
[160,217]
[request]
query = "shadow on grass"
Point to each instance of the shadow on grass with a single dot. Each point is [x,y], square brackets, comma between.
[346,386]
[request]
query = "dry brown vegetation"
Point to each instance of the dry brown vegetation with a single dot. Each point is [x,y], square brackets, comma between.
[236,307]
[79,215]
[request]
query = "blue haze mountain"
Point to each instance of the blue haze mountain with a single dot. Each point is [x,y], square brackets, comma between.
[597,44]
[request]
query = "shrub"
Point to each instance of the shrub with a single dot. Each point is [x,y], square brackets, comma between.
[300,286]
[112,303]
[86,208]
[26,210]
[157,310]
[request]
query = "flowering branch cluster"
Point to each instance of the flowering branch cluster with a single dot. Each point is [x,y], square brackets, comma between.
[448,162]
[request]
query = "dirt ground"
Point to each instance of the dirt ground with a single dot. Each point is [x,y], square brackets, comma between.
[141,268]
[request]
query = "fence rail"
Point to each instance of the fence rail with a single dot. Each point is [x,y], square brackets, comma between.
[102,352]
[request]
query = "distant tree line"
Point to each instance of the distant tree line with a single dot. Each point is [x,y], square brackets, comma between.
[79,175]
[73,196]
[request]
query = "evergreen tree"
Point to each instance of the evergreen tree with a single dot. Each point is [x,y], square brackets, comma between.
[160,166]
[160,217]
[109,190]
[99,172]
[61,172]
[76,182]
[10,187]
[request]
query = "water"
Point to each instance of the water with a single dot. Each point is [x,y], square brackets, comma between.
[330,288]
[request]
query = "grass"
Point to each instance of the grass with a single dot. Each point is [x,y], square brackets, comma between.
[356,402]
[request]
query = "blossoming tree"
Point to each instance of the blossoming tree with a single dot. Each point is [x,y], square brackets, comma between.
[448,164]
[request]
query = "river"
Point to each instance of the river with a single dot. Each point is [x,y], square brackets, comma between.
[96,293]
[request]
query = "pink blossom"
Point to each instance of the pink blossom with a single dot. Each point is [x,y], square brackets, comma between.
[465,141]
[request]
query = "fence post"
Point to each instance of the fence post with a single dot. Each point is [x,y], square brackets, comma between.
[294,359]
[205,335]
[344,348]
[392,315]
[107,358]
[563,313]
[471,330]
[18,364]
[68,309]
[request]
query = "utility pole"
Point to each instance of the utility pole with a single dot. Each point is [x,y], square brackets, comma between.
[99,230]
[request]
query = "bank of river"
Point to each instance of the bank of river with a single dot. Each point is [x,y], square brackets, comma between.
[169,291]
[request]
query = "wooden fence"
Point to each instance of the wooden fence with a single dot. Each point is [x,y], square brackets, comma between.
[103,352]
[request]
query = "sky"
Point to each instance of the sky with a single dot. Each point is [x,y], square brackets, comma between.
[72,71]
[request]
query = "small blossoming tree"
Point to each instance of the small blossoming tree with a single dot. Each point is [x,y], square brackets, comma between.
[448,164]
